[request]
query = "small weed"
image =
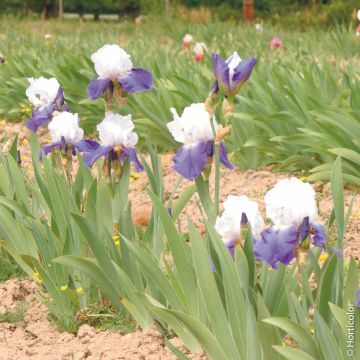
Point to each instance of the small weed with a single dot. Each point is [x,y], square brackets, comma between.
[9,269]
[16,316]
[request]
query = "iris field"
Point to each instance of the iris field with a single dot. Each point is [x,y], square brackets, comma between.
[246,287]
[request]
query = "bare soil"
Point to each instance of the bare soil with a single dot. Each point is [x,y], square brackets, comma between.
[37,338]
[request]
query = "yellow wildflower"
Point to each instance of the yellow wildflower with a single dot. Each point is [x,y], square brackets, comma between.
[116,240]
[134,175]
[36,275]
[63,288]
[303,178]
[131,180]
[25,142]
[42,167]
[323,257]
[80,290]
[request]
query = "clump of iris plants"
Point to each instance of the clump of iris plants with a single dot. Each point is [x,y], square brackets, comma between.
[117,78]
[293,214]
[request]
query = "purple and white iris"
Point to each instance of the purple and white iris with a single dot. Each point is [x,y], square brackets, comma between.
[47,96]
[291,206]
[117,141]
[66,134]
[194,130]
[238,211]
[230,74]
[114,67]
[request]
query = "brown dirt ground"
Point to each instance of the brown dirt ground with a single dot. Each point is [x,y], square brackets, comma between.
[36,338]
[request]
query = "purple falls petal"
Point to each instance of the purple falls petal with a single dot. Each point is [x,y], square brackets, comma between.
[242,73]
[97,86]
[276,244]
[214,89]
[60,100]
[304,230]
[131,153]
[40,117]
[47,149]
[91,157]
[319,235]
[221,70]
[210,148]
[138,80]
[231,247]
[85,145]
[190,161]
[223,156]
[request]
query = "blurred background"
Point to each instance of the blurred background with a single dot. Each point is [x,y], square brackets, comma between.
[293,12]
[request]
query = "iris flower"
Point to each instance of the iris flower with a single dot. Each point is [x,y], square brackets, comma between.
[291,206]
[67,135]
[114,67]
[47,96]
[238,211]
[193,129]
[230,74]
[117,141]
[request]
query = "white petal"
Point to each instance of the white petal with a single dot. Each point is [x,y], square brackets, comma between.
[116,129]
[290,201]
[65,125]
[193,125]
[228,225]
[42,91]
[111,62]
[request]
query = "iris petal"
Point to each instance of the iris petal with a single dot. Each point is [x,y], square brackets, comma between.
[276,245]
[131,153]
[242,72]
[190,161]
[223,156]
[91,157]
[40,117]
[304,230]
[97,86]
[319,236]
[137,81]
[221,70]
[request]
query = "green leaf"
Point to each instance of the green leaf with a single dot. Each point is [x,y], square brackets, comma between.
[303,339]
[203,335]
[293,354]
[327,342]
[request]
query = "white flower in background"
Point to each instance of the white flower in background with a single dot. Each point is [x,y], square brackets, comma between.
[200,48]
[47,36]
[358,15]
[290,201]
[65,124]
[228,225]
[192,126]
[117,130]
[112,62]
[187,40]
[258,27]
[42,91]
